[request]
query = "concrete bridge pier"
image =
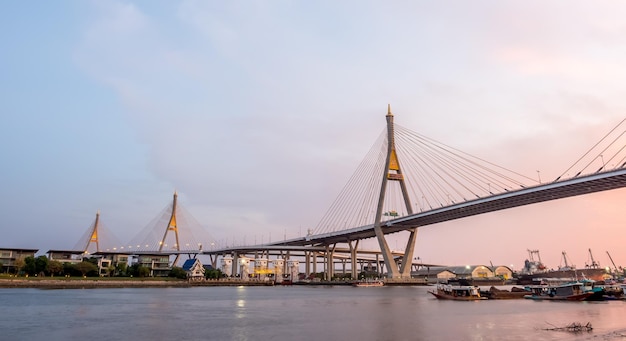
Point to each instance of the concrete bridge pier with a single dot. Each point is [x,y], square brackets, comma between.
[353,257]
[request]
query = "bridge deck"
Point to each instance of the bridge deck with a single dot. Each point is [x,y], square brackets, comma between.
[545,192]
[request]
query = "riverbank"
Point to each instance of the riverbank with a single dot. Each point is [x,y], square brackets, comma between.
[158,282]
[89,283]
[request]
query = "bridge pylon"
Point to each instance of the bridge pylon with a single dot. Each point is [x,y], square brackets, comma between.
[93,235]
[393,172]
[172,227]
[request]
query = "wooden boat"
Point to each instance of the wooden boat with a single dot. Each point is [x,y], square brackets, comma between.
[369,283]
[574,291]
[457,293]
[499,294]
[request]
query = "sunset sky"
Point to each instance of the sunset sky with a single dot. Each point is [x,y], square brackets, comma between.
[258,112]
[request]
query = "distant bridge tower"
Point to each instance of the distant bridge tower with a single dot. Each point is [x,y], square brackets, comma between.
[93,235]
[393,172]
[172,226]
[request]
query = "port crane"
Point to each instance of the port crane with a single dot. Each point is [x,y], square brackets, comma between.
[612,262]
[567,265]
[594,264]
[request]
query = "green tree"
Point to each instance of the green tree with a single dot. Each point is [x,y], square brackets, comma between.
[54,267]
[86,267]
[143,271]
[213,274]
[1,266]
[70,270]
[29,266]
[138,270]
[41,265]
[121,269]
[178,272]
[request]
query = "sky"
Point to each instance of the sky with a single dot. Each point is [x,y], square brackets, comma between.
[258,112]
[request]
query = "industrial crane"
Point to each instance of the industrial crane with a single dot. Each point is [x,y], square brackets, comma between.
[594,264]
[612,262]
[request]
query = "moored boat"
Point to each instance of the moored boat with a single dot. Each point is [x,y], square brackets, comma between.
[499,294]
[457,293]
[369,283]
[565,292]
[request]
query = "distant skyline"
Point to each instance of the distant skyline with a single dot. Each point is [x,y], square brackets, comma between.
[258,113]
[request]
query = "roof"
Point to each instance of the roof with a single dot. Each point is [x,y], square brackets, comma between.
[18,249]
[189,264]
[457,270]
[74,252]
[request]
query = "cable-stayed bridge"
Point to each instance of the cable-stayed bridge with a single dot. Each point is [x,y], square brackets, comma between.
[406,181]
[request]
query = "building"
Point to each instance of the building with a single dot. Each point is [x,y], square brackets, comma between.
[108,261]
[8,258]
[503,272]
[159,264]
[467,272]
[66,256]
[194,269]
[436,274]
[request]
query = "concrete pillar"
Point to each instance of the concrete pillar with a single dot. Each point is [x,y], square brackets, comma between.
[244,268]
[227,265]
[307,263]
[279,266]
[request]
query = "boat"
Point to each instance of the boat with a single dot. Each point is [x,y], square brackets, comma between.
[499,294]
[457,293]
[573,291]
[534,271]
[369,283]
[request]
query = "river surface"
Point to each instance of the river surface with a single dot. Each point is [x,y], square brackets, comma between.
[292,313]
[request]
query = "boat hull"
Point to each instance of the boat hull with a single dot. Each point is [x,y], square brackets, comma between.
[369,284]
[456,298]
[579,297]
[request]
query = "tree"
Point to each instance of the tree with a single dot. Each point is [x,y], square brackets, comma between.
[18,264]
[29,265]
[143,271]
[121,269]
[86,267]
[54,267]
[1,266]
[178,272]
[41,265]
[138,270]
[69,269]
[213,274]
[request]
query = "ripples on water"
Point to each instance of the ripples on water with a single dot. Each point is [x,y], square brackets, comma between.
[291,313]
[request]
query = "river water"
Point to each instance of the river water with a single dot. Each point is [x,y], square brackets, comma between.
[292,313]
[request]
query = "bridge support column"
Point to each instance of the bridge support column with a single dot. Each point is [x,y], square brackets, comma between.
[235,270]
[314,263]
[353,257]
[307,263]
[329,262]
[407,261]
[213,259]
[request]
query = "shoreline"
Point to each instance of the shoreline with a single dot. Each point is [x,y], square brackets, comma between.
[75,283]
[96,282]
